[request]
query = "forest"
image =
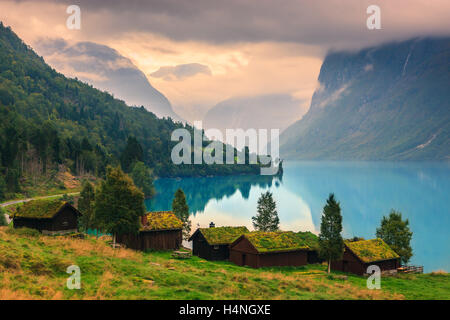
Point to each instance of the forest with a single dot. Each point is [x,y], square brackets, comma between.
[49,122]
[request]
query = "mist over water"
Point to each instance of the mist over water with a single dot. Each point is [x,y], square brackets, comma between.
[366,191]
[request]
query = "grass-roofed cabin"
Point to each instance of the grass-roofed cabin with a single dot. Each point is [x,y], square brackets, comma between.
[359,255]
[160,230]
[266,249]
[47,216]
[213,243]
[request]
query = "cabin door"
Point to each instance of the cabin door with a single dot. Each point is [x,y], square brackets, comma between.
[345,266]
[244,256]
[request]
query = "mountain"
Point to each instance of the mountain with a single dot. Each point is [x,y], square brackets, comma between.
[105,69]
[272,111]
[49,121]
[389,102]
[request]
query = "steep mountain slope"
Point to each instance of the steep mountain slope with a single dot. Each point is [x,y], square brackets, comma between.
[389,102]
[106,69]
[272,111]
[48,120]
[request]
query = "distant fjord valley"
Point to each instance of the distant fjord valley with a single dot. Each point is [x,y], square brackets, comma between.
[389,102]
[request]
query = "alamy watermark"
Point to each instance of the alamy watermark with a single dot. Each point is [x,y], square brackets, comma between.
[235,139]
[73,22]
[374,20]
[374,280]
[74,281]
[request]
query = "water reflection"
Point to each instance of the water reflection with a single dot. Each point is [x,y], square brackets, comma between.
[366,190]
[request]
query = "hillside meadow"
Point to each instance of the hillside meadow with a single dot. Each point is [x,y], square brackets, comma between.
[33,266]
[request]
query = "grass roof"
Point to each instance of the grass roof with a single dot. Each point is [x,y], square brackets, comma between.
[222,235]
[372,250]
[39,209]
[162,220]
[282,240]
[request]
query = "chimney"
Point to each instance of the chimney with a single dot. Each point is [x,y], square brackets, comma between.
[212,225]
[144,220]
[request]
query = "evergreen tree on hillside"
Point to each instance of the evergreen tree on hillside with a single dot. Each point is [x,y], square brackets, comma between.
[2,188]
[267,217]
[331,244]
[2,217]
[133,152]
[181,209]
[396,233]
[118,203]
[86,206]
[143,179]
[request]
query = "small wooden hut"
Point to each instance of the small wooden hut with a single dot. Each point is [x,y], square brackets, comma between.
[160,230]
[267,249]
[47,216]
[359,255]
[213,243]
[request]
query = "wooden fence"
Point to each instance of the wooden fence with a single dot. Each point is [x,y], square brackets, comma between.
[410,269]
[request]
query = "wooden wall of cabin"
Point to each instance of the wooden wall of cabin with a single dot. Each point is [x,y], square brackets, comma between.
[161,240]
[38,224]
[291,258]
[202,249]
[66,219]
[350,263]
[152,240]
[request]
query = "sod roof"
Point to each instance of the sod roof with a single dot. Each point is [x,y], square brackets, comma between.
[39,209]
[222,235]
[162,220]
[282,241]
[372,250]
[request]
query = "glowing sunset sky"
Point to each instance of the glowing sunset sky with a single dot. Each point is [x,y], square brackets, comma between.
[198,53]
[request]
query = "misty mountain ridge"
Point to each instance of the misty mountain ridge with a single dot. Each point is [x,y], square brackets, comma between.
[389,102]
[270,111]
[104,68]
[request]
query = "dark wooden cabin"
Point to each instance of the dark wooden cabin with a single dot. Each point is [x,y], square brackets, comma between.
[47,216]
[213,243]
[359,255]
[266,249]
[160,230]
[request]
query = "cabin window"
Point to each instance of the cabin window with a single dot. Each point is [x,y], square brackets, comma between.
[65,223]
[216,247]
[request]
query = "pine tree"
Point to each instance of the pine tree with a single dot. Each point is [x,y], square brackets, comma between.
[331,244]
[2,217]
[142,178]
[396,233]
[118,203]
[267,217]
[86,206]
[181,209]
[133,152]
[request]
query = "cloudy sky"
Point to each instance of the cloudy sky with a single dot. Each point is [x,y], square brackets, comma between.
[201,52]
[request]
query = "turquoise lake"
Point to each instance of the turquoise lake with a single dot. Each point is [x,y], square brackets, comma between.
[366,191]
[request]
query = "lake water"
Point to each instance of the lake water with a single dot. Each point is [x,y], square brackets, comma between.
[366,191]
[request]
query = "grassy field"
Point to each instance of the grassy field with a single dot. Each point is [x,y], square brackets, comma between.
[33,267]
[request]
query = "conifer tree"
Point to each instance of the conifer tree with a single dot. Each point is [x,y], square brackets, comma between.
[86,206]
[181,209]
[267,217]
[118,203]
[331,244]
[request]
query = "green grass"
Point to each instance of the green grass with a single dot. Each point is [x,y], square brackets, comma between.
[33,267]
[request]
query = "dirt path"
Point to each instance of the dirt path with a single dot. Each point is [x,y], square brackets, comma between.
[8,203]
